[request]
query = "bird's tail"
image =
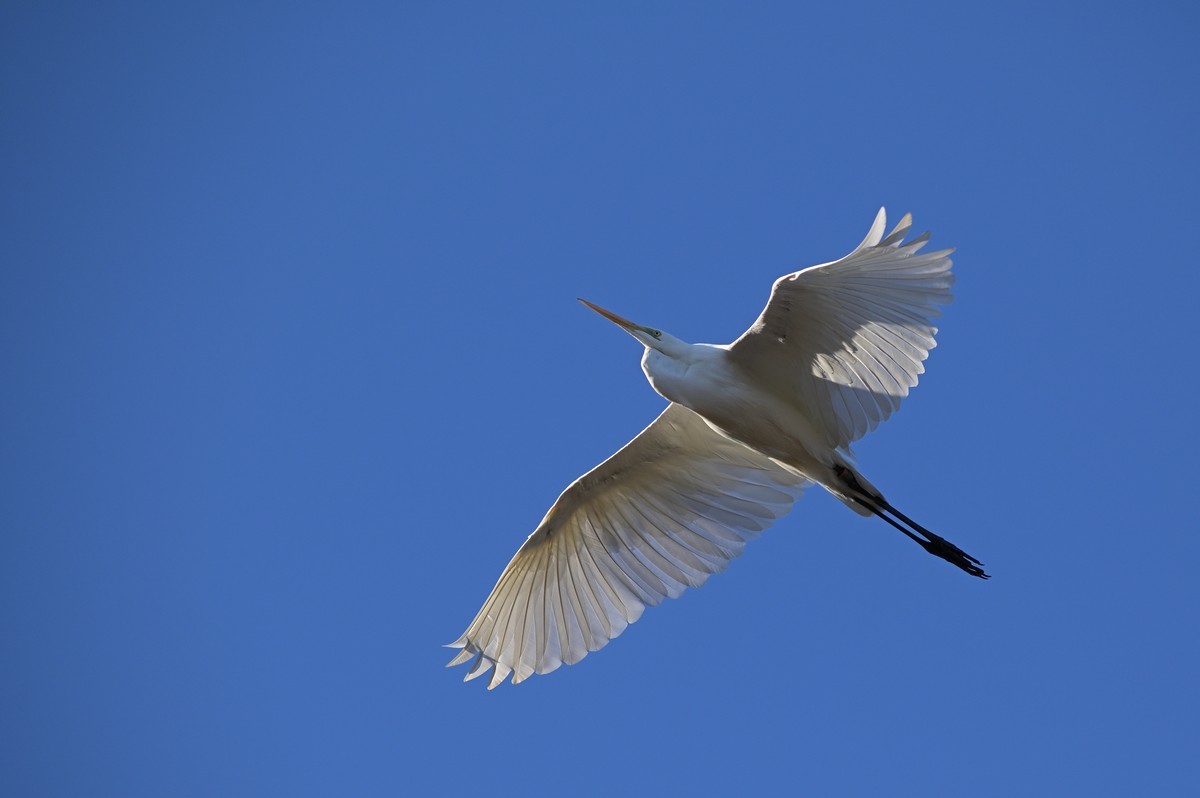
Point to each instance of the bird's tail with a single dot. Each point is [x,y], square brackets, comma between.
[862,497]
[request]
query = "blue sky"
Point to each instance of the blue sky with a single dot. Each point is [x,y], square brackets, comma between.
[293,363]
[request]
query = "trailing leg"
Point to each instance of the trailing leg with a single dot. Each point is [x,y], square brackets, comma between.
[936,545]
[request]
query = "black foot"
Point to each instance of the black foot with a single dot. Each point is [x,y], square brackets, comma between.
[940,547]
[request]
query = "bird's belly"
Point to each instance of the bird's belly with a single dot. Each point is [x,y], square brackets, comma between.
[761,420]
[775,429]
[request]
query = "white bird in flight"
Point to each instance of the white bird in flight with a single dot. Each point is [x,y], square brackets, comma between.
[749,426]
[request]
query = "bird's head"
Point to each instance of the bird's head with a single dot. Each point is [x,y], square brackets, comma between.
[647,336]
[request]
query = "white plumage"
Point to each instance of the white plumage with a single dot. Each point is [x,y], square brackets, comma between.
[750,425]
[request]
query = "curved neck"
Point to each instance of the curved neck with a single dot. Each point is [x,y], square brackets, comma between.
[669,369]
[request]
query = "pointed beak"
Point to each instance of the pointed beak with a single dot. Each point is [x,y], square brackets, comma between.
[613,317]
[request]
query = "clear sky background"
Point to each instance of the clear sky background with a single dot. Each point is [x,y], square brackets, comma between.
[292,364]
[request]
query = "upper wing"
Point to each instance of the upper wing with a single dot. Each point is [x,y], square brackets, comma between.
[848,337]
[674,505]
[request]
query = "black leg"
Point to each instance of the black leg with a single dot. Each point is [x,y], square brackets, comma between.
[934,544]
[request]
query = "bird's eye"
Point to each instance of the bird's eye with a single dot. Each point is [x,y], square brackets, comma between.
[656,333]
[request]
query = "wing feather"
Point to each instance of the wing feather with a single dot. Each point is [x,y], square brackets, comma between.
[671,508]
[849,338]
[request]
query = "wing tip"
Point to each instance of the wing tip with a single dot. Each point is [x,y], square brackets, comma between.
[460,658]
[500,672]
[875,234]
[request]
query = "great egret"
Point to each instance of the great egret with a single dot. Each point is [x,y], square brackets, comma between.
[749,426]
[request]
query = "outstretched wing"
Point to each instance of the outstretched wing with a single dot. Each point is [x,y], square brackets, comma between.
[848,338]
[673,506]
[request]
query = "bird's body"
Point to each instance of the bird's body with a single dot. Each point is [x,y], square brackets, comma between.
[707,381]
[749,426]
